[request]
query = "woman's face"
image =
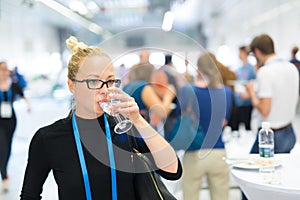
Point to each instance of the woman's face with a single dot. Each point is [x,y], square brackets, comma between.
[160,83]
[4,72]
[87,100]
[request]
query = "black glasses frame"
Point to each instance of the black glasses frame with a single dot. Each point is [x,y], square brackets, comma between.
[107,83]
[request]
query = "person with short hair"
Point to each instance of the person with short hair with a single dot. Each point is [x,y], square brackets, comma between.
[294,60]
[276,96]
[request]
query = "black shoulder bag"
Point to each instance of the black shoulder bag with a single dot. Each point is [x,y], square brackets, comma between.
[147,184]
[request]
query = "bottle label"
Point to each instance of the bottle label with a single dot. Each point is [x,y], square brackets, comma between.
[266,152]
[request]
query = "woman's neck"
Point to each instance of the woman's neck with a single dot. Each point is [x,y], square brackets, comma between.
[85,115]
[4,84]
[201,82]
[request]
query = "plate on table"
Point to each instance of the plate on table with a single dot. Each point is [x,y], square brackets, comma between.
[254,163]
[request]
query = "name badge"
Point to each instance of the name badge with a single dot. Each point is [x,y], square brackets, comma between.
[6,110]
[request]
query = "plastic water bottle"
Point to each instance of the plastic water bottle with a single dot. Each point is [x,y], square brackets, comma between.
[266,152]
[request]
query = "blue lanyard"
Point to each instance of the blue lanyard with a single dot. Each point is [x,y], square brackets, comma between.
[9,95]
[82,160]
[111,160]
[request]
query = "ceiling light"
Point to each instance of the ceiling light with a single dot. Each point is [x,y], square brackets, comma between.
[76,17]
[79,7]
[168,21]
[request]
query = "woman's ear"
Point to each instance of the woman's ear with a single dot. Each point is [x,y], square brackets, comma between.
[71,86]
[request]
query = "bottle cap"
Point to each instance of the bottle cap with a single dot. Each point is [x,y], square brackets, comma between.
[265,125]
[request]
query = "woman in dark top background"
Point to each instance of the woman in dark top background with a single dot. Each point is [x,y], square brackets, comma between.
[8,120]
[93,173]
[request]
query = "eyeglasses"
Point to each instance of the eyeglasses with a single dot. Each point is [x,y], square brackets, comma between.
[95,84]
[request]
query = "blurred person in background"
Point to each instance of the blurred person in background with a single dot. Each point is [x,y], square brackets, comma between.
[18,78]
[174,77]
[177,80]
[242,107]
[144,56]
[277,93]
[91,79]
[187,75]
[213,101]
[294,60]
[227,74]
[151,91]
[122,72]
[9,90]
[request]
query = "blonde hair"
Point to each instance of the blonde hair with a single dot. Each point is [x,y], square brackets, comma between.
[209,66]
[141,71]
[80,52]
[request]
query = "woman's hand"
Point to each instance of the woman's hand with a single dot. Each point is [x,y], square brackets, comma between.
[154,119]
[28,104]
[126,105]
[170,93]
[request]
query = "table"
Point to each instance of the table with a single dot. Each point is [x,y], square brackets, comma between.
[252,185]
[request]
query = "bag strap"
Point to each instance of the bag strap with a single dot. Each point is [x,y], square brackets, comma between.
[134,148]
[145,158]
[132,144]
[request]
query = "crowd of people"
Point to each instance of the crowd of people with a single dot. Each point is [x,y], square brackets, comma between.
[264,88]
[152,99]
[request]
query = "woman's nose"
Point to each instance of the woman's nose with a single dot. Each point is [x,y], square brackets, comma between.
[103,92]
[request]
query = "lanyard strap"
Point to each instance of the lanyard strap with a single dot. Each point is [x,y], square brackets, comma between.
[111,160]
[82,160]
[9,95]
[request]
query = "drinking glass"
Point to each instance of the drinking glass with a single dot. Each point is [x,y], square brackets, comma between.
[123,125]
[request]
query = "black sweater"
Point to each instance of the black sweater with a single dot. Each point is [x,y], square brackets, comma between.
[53,148]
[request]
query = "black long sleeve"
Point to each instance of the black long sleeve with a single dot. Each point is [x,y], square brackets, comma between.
[53,148]
[37,169]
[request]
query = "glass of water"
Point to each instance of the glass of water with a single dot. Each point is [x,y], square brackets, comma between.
[123,124]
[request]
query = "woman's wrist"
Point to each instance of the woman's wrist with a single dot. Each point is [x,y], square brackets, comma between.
[139,120]
[168,98]
[144,128]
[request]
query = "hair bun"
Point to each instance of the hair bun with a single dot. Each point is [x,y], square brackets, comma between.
[72,42]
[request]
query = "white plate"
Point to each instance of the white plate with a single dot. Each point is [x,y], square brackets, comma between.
[252,164]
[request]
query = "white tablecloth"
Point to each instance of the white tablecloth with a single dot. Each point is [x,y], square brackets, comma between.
[252,184]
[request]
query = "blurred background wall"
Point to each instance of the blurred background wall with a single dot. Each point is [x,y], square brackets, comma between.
[33,32]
